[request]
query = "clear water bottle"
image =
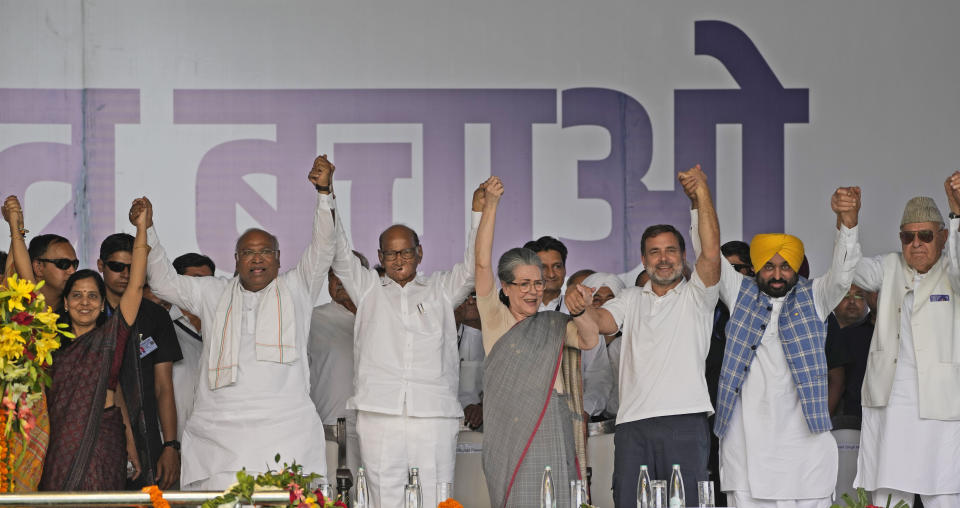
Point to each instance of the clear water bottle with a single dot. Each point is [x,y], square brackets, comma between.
[643,488]
[677,497]
[548,498]
[363,493]
[414,479]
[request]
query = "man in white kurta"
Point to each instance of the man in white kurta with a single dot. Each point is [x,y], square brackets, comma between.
[406,362]
[331,363]
[910,435]
[253,398]
[769,457]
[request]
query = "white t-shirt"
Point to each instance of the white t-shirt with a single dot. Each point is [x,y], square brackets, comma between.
[664,349]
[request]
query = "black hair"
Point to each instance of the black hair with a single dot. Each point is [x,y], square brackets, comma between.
[545,243]
[85,273]
[40,244]
[193,259]
[737,248]
[416,239]
[660,229]
[3,259]
[117,242]
[586,272]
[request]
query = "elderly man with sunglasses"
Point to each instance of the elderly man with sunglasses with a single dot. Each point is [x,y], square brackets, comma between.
[407,365]
[253,401]
[911,408]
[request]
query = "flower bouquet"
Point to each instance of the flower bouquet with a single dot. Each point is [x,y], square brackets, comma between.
[862,501]
[29,334]
[290,478]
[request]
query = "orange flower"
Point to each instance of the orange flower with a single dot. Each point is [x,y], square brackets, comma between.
[450,503]
[156,497]
[5,483]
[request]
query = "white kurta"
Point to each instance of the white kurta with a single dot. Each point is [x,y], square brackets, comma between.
[268,409]
[613,355]
[471,365]
[898,449]
[597,378]
[186,372]
[331,360]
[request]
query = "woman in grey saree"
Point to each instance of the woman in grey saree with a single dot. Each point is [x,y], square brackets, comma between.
[533,392]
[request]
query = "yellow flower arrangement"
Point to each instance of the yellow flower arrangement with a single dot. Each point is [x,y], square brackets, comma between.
[29,334]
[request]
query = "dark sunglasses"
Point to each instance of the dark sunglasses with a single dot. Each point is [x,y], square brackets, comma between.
[926,236]
[740,267]
[62,263]
[116,266]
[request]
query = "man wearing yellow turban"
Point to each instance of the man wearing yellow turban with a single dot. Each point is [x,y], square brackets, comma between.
[773,424]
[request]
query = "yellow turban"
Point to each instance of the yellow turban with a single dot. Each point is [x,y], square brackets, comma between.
[764,247]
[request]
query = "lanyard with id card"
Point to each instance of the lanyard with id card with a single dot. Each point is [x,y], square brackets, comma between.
[147,346]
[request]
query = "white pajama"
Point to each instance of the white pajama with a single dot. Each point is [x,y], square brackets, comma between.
[391,444]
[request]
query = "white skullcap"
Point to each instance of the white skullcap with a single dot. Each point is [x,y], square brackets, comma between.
[600,279]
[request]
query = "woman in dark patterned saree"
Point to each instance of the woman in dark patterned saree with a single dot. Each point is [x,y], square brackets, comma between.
[90,433]
[533,393]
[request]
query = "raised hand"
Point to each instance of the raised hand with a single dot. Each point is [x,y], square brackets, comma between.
[141,213]
[694,181]
[12,212]
[578,298]
[492,190]
[321,175]
[479,199]
[952,186]
[845,202]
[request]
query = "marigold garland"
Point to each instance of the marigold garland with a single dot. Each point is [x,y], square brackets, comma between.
[5,483]
[450,503]
[156,496]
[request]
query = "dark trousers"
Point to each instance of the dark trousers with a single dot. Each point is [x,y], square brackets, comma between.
[659,443]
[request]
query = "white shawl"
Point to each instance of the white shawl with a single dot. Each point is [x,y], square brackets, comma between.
[275,336]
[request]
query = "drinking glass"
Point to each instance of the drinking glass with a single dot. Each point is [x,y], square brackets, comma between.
[411,499]
[444,491]
[578,494]
[705,494]
[326,490]
[658,494]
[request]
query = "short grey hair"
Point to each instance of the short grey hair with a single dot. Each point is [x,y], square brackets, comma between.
[513,258]
[273,238]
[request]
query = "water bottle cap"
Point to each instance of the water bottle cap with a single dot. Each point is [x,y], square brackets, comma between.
[676,465]
[547,468]
[360,468]
[643,467]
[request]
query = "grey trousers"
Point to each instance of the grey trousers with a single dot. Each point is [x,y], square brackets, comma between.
[659,443]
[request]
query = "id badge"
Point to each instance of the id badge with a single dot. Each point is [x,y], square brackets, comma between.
[147,346]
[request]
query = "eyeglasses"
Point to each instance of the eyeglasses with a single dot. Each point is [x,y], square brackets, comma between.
[249,253]
[527,285]
[62,263]
[405,254]
[116,266]
[742,268]
[926,236]
[853,296]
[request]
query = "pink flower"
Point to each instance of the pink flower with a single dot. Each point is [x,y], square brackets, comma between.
[296,492]
[7,403]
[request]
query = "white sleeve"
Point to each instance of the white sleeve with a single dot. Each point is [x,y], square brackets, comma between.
[953,255]
[730,278]
[180,290]
[315,261]
[829,290]
[869,273]
[356,279]
[458,282]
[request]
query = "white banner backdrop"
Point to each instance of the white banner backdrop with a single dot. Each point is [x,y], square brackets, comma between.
[215,109]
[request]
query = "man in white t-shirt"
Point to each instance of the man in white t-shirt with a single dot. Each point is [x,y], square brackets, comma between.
[662,419]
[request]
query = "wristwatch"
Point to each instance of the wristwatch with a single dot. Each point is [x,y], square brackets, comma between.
[172,444]
[954,216]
